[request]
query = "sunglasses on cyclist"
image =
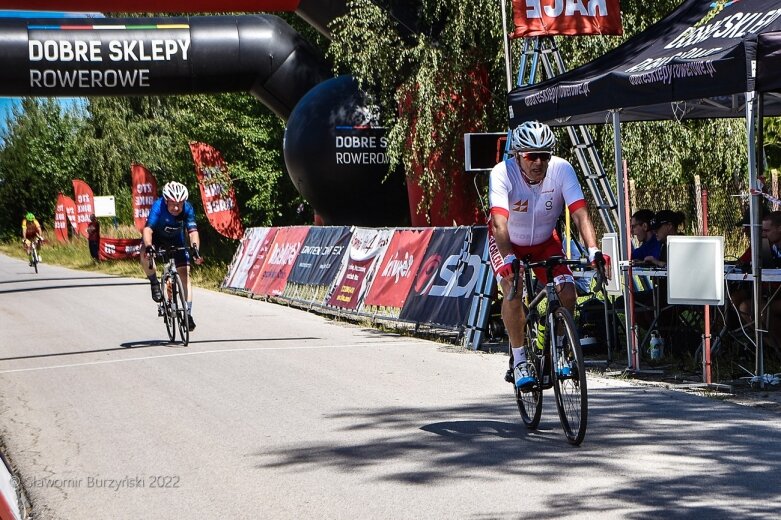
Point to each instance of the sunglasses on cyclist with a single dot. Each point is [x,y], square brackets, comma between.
[533,156]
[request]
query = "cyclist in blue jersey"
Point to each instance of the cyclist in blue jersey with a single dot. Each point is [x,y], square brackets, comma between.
[168,219]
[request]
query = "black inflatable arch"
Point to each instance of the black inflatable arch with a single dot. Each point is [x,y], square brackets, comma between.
[260,54]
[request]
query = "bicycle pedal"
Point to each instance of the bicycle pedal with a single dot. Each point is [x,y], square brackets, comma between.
[160,312]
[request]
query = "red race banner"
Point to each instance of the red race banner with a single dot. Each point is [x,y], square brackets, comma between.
[566,17]
[253,274]
[280,259]
[399,266]
[217,193]
[119,248]
[61,218]
[144,188]
[84,205]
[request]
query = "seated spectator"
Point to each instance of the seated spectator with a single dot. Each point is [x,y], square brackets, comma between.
[771,233]
[665,223]
[641,229]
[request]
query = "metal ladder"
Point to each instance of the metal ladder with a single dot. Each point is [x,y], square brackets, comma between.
[543,49]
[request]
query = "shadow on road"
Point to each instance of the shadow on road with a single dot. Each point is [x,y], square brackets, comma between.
[36,279]
[81,286]
[664,447]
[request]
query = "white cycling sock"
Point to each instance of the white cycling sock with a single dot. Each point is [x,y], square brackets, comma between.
[559,339]
[519,356]
[189,308]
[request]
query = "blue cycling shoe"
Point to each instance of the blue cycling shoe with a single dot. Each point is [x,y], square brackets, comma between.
[523,378]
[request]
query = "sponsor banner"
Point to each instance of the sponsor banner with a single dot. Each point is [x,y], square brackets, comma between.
[119,248]
[445,283]
[82,193]
[320,257]
[399,266]
[366,248]
[260,258]
[566,17]
[272,277]
[245,257]
[217,193]
[144,193]
[64,212]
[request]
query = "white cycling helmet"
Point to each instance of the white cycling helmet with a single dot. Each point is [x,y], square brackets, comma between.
[533,136]
[175,191]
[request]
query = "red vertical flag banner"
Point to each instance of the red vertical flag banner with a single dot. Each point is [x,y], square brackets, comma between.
[84,205]
[60,219]
[217,193]
[570,17]
[144,188]
[70,211]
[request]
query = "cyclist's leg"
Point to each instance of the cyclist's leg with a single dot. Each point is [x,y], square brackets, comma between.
[182,259]
[151,271]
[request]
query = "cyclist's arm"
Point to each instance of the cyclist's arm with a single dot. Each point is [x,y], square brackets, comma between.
[146,237]
[195,239]
[24,229]
[501,233]
[586,228]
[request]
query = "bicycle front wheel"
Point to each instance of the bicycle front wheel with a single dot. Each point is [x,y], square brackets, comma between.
[34,259]
[180,310]
[168,308]
[569,377]
[530,401]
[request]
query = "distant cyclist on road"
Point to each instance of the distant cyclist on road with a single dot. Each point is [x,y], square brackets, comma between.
[168,218]
[31,230]
[528,192]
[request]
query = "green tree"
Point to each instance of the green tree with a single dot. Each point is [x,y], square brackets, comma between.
[38,158]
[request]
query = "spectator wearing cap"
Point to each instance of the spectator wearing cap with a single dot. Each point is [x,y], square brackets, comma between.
[641,229]
[665,223]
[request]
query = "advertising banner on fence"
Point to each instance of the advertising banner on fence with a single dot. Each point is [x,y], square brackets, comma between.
[144,193]
[399,266]
[245,257]
[566,17]
[260,258]
[320,258]
[217,193]
[366,247]
[119,248]
[444,286]
[273,275]
[82,193]
[64,212]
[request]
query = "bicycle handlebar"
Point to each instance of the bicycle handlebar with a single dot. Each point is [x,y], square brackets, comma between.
[548,263]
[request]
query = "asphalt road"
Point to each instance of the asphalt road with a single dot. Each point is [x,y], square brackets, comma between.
[273,412]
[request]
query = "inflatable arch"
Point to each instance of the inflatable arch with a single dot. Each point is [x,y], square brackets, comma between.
[344,174]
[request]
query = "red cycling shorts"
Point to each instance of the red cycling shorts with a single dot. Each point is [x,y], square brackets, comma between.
[549,248]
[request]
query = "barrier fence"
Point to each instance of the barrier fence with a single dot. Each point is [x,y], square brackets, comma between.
[437,277]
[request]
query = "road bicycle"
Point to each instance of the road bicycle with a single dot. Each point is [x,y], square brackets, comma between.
[34,257]
[554,355]
[173,308]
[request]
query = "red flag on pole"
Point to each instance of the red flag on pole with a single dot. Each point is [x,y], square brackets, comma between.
[84,205]
[144,193]
[217,193]
[555,17]
[60,217]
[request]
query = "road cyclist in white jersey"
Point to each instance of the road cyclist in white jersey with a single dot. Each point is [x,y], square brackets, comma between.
[527,194]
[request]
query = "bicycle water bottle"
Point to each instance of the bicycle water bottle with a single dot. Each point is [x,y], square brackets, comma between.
[657,344]
[541,333]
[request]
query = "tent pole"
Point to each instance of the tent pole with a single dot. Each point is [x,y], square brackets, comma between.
[756,266]
[506,40]
[622,243]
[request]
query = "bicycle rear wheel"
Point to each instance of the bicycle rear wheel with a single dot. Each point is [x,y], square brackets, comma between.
[180,310]
[34,258]
[530,401]
[569,377]
[168,307]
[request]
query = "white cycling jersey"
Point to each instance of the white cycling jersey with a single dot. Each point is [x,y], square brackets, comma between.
[532,209]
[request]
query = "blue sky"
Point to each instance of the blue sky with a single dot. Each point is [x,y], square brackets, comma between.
[7,103]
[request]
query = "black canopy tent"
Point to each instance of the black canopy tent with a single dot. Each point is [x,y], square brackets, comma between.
[706,59]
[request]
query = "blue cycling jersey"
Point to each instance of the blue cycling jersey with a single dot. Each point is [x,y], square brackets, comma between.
[169,227]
